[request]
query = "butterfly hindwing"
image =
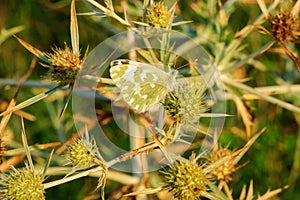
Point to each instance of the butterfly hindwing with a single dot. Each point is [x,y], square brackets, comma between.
[146,96]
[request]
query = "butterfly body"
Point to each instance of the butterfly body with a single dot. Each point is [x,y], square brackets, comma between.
[141,85]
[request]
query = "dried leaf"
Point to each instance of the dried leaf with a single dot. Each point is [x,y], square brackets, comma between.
[250,191]
[41,55]
[247,146]
[74,30]
[144,191]
[181,23]
[243,111]
[243,193]
[270,194]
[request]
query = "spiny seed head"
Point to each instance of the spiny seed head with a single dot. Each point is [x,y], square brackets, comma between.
[82,153]
[64,65]
[224,171]
[22,184]
[158,15]
[284,26]
[185,102]
[186,179]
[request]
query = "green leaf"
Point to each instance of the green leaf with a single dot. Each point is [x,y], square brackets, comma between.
[7,33]
[30,101]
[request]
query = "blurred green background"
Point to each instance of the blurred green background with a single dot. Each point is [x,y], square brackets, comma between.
[273,160]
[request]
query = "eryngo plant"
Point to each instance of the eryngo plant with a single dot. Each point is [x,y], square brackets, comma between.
[183,102]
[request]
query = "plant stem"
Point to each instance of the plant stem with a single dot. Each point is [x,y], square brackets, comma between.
[254,54]
[243,87]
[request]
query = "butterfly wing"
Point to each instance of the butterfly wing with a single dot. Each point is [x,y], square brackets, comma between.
[142,85]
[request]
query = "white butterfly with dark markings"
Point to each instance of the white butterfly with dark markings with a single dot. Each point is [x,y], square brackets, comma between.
[141,85]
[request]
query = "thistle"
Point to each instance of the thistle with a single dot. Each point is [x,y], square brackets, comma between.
[186,180]
[22,184]
[224,171]
[83,153]
[63,65]
[284,26]
[158,15]
[185,102]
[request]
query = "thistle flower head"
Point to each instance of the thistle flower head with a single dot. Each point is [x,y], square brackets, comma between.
[83,152]
[158,15]
[185,102]
[186,180]
[224,171]
[64,65]
[284,26]
[22,184]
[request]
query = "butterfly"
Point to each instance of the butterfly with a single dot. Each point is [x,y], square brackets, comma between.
[141,85]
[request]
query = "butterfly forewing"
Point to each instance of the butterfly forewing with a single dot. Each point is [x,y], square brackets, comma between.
[141,85]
